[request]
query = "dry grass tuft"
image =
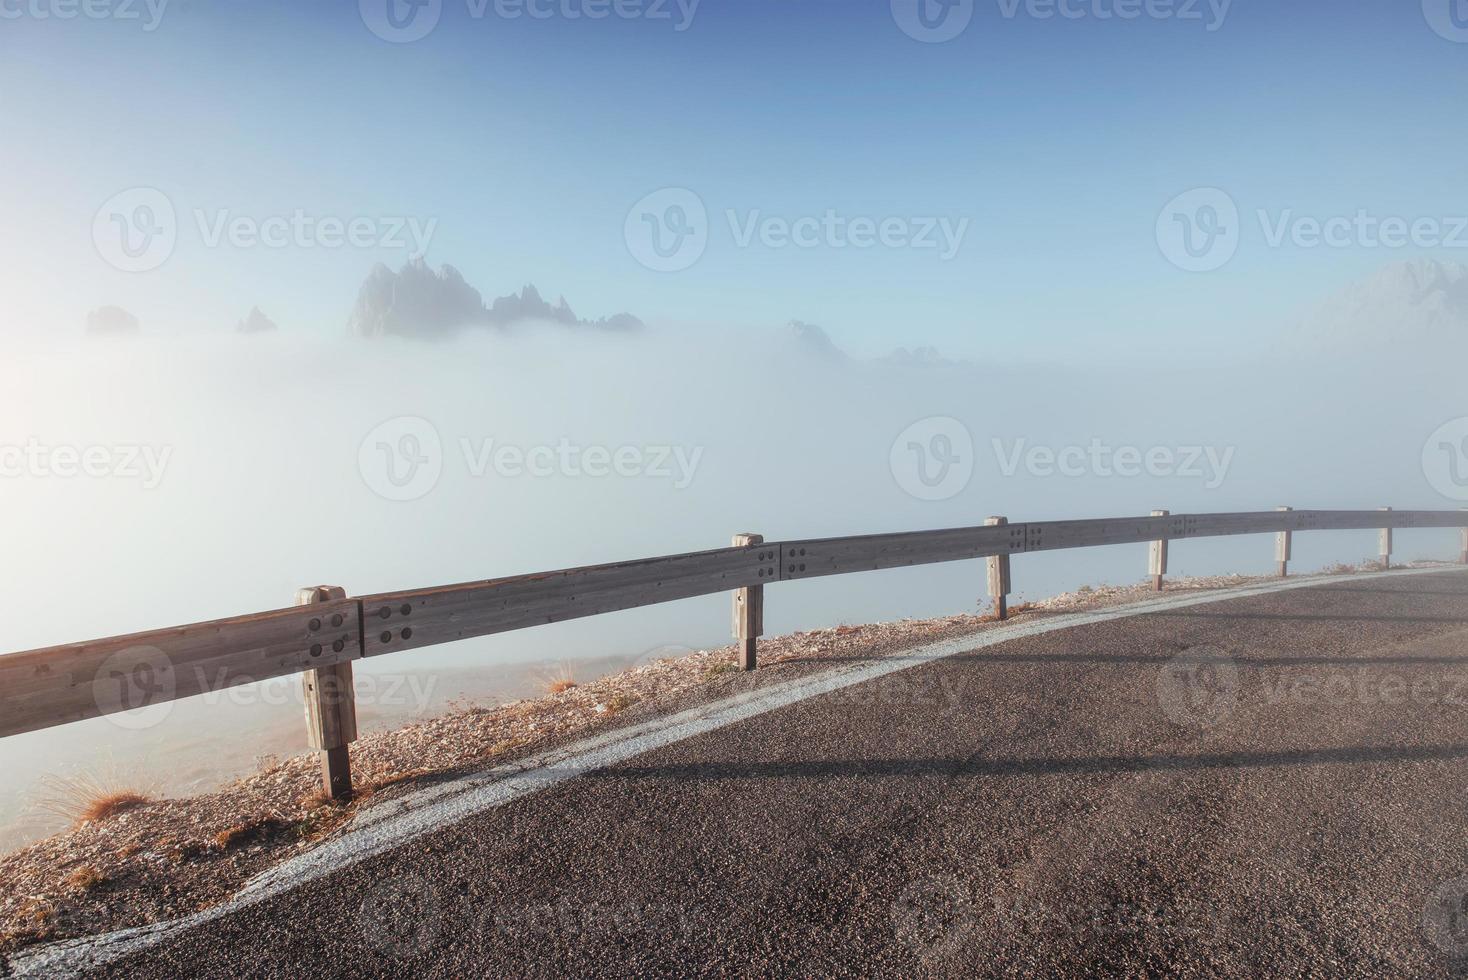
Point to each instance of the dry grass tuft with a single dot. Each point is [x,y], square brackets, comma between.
[89,798]
[320,799]
[34,922]
[253,831]
[1014,610]
[725,667]
[395,778]
[84,878]
[561,681]
[109,805]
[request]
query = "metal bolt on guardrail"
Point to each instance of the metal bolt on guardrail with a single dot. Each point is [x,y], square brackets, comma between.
[331,703]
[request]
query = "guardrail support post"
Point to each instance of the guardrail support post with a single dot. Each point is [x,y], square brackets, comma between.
[998,569]
[1157,556]
[749,609]
[1283,546]
[1386,545]
[331,708]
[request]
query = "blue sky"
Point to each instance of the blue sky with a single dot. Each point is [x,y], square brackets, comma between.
[1058,140]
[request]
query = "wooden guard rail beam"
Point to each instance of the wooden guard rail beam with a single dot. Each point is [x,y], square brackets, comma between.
[321,637]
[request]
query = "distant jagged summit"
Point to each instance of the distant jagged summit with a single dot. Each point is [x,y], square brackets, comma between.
[418,302]
[111,321]
[813,341]
[1415,300]
[919,357]
[528,305]
[255,322]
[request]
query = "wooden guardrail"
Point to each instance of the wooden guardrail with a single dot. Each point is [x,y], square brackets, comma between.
[326,631]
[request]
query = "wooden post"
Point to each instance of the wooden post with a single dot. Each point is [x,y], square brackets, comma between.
[1386,545]
[1463,542]
[331,708]
[998,568]
[1283,546]
[749,609]
[1157,556]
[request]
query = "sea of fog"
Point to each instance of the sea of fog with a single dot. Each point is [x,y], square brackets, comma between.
[155,481]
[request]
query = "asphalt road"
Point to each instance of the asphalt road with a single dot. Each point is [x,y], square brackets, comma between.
[1265,786]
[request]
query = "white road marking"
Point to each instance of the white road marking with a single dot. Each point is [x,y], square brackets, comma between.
[389,825]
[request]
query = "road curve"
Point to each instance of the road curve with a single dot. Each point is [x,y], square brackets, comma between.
[1272,785]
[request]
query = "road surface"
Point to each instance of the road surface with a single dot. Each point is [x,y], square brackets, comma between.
[1272,785]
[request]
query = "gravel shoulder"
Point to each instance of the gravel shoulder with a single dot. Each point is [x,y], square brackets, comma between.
[168,858]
